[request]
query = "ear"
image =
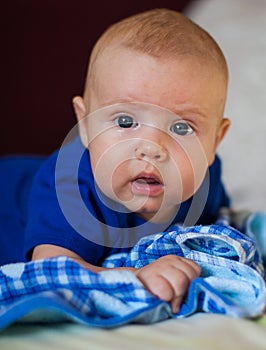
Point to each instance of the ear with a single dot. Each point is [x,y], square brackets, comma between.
[223,128]
[80,111]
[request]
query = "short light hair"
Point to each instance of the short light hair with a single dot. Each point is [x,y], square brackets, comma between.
[161,33]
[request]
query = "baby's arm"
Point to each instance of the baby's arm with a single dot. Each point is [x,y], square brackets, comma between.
[49,250]
[168,277]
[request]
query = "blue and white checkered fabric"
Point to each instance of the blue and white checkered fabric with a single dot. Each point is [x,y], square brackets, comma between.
[49,290]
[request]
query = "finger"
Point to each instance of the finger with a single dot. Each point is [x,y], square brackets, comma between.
[177,283]
[179,279]
[169,277]
[159,285]
[194,265]
[176,303]
[180,273]
[189,267]
[167,284]
[171,286]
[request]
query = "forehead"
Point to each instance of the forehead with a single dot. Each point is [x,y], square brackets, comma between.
[117,53]
[121,75]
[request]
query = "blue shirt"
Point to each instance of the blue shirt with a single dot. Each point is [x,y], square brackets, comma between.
[66,208]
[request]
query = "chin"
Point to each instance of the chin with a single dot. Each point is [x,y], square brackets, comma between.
[146,215]
[148,212]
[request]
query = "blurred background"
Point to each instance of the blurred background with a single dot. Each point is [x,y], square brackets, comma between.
[45,50]
[239,26]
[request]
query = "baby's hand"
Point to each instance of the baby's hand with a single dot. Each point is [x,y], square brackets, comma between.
[169,278]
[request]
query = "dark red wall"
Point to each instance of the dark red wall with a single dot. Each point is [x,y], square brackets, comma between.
[44,55]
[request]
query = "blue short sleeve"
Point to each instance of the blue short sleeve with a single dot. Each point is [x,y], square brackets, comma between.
[47,224]
[42,203]
[16,177]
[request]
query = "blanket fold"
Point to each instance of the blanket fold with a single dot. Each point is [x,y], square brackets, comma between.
[56,289]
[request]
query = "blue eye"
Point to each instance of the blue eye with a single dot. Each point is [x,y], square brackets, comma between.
[125,121]
[182,129]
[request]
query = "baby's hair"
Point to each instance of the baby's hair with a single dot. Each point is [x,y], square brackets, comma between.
[161,33]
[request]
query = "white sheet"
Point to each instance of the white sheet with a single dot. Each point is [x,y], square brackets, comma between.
[199,332]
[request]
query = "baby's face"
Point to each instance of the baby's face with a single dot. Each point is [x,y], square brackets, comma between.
[153,130]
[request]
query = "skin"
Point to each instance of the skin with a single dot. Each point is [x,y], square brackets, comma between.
[190,91]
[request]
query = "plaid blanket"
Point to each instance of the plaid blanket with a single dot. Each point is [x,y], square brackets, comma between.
[57,289]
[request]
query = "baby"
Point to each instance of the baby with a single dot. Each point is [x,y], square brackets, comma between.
[150,121]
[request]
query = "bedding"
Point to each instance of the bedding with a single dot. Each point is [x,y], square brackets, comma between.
[58,289]
[197,332]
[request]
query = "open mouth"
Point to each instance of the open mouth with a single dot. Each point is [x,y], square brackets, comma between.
[147,184]
[150,181]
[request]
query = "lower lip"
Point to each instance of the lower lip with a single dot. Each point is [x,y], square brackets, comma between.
[146,189]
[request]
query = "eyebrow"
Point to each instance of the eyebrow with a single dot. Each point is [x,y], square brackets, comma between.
[119,100]
[188,109]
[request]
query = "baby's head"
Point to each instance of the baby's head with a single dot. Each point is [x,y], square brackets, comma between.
[165,81]
[162,34]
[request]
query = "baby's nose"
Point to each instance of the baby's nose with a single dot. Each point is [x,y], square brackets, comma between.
[150,151]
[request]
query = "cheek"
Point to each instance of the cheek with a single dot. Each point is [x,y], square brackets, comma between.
[97,149]
[107,161]
[209,151]
[191,161]
[101,147]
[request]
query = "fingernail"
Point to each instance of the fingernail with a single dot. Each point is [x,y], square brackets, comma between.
[176,306]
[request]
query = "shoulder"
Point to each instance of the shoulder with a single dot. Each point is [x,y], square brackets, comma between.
[70,160]
[217,195]
[216,166]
